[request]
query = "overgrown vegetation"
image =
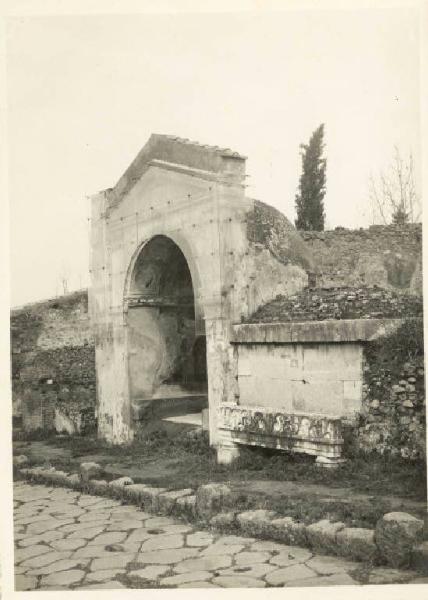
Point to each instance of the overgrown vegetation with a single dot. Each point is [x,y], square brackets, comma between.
[393,417]
[187,460]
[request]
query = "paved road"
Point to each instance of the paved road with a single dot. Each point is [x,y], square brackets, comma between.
[68,540]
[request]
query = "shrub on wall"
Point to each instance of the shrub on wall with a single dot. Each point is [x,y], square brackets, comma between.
[392,421]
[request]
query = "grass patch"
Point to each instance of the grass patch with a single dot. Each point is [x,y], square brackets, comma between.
[193,462]
[186,460]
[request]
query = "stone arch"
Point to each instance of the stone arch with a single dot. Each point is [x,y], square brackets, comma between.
[163,324]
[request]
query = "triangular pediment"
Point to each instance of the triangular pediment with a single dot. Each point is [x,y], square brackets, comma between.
[167,151]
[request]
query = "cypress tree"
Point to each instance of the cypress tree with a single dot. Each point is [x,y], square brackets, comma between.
[311,192]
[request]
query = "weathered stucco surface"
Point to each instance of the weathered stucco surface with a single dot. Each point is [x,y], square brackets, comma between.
[312,378]
[195,197]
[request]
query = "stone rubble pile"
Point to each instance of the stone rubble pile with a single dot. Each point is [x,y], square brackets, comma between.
[319,304]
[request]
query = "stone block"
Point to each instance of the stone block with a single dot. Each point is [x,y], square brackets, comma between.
[149,498]
[90,470]
[397,533]
[223,521]
[167,500]
[73,481]
[98,486]
[133,492]
[20,460]
[117,486]
[289,531]
[256,523]
[322,536]
[186,506]
[59,477]
[211,498]
[357,543]
[420,558]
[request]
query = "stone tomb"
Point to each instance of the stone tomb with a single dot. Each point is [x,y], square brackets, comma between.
[179,257]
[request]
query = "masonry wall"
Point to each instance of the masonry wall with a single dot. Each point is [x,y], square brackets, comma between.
[387,256]
[314,378]
[53,365]
[392,419]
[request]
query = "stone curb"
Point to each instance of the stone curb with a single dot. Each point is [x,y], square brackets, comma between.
[323,537]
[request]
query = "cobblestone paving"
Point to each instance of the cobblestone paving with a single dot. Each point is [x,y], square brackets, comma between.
[68,540]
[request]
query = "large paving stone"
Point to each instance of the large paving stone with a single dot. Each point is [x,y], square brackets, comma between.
[204,563]
[103,575]
[251,558]
[258,570]
[166,557]
[72,527]
[22,554]
[130,512]
[60,565]
[101,551]
[267,546]
[197,584]
[239,581]
[186,578]
[235,539]
[291,556]
[108,585]
[31,519]
[105,504]
[151,573]
[108,538]
[45,559]
[221,549]
[95,515]
[155,522]
[289,574]
[42,526]
[64,577]
[162,542]
[324,580]
[24,583]
[199,538]
[396,535]
[116,560]
[123,525]
[47,537]
[328,565]
[87,533]
[67,544]
[87,500]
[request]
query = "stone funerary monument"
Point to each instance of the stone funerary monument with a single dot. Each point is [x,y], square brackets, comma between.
[180,260]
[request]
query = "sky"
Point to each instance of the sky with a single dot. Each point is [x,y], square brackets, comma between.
[84,93]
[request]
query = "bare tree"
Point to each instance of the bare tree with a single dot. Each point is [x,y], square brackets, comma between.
[64,277]
[393,194]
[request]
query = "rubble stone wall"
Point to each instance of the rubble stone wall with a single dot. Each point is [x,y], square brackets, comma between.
[53,365]
[392,418]
[389,256]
